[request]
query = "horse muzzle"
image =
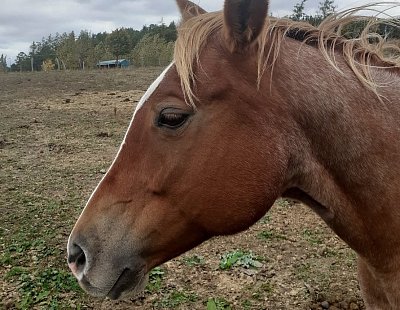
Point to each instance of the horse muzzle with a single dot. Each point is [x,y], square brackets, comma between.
[109,274]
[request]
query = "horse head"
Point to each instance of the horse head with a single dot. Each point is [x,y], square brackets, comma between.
[199,158]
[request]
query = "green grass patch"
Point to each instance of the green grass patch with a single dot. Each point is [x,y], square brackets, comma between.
[247,304]
[266,219]
[16,271]
[270,235]
[194,260]
[6,259]
[328,252]
[175,299]
[239,258]
[218,304]
[303,271]
[313,237]
[43,287]
[282,202]
[22,250]
[155,280]
[267,288]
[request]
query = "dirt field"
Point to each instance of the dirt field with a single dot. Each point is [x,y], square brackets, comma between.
[59,132]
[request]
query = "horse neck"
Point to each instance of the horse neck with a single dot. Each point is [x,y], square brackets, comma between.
[344,141]
[340,117]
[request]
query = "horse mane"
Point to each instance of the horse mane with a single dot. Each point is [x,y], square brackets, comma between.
[369,50]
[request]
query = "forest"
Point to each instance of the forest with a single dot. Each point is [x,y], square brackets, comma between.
[151,46]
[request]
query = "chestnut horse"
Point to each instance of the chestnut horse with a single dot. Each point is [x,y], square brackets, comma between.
[252,108]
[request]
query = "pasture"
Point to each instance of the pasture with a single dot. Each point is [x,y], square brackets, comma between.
[59,132]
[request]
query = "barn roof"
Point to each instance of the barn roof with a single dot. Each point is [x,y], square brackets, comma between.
[110,62]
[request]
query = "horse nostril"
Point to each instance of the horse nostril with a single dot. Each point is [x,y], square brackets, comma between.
[76,259]
[81,259]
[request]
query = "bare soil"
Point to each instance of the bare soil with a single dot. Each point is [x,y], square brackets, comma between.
[59,132]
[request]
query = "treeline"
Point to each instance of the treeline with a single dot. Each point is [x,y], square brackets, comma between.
[389,29]
[150,46]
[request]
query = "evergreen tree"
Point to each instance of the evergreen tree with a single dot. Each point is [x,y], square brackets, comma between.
[298,11]
[326,8]
[85,50]
[3,63]
[118,43]
[22,62]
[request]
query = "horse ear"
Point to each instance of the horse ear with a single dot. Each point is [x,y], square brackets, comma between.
[244,21]
[189,9]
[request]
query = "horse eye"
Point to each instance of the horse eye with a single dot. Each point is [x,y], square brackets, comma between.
[172,119]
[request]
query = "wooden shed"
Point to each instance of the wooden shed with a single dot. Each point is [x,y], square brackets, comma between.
[121,63]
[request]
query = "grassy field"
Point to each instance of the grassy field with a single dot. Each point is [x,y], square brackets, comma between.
[59,132]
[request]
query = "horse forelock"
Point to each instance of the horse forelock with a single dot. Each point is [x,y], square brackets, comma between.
[192,37]
[361,54]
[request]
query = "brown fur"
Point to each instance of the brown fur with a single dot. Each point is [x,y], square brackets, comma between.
[358,53]
[314,130]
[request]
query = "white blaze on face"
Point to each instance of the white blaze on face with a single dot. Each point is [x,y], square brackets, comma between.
[151,90]
[142,101]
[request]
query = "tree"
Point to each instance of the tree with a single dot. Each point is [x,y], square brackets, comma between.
[85,50]
[66,51]
[326,8]
[3,63]
[22,62]
[152,50]
[101,52]
[48,65]
[34,48]
[118,43]
[298,11]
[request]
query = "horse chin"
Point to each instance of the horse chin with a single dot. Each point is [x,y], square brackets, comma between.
[129,284]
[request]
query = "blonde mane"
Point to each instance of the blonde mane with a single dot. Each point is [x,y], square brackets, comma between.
[363,53]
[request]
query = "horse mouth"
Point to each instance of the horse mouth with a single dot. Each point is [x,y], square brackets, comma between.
[129,282]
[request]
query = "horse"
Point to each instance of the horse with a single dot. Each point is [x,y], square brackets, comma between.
[251,109]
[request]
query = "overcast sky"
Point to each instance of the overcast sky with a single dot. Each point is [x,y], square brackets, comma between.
[24,21]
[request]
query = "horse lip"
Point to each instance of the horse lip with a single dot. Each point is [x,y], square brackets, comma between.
[88,287]
[130,280]
[123,283]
